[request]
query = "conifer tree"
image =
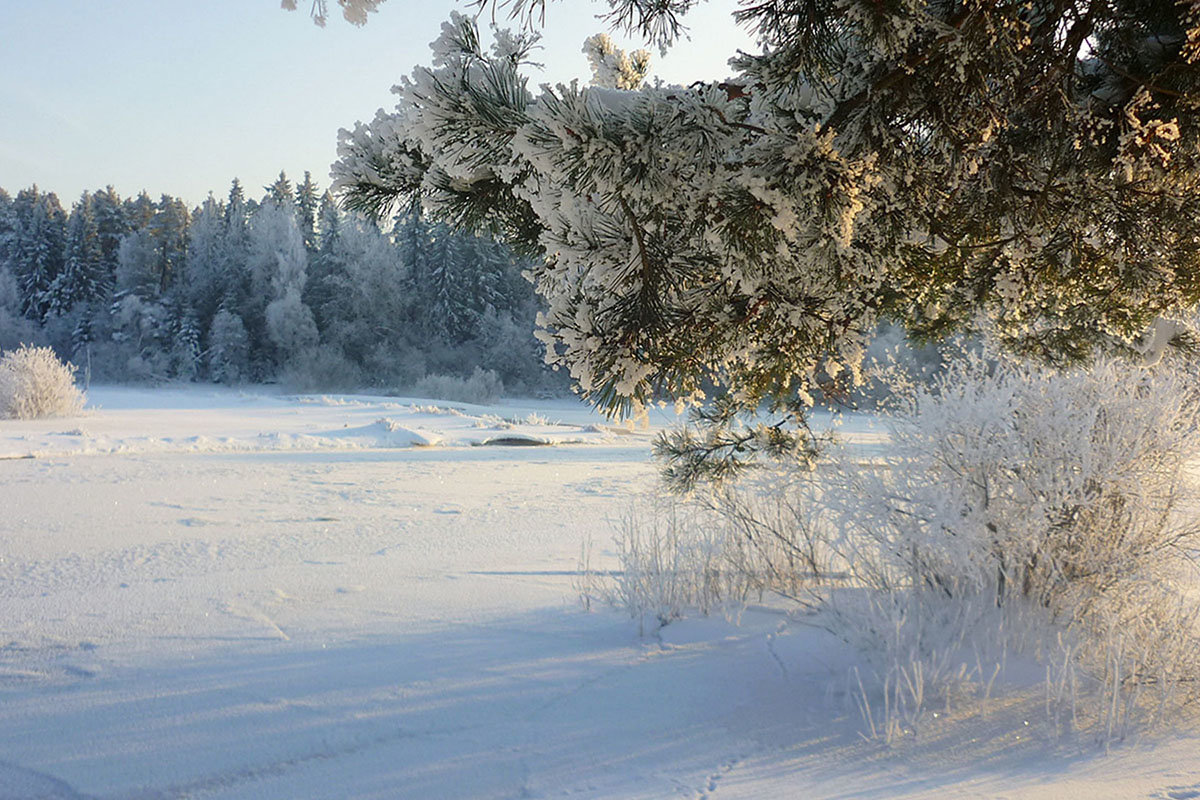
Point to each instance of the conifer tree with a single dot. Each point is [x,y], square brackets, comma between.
[307,204]
[168,229]
[8,226]
[207,277]
[1032,166]
[83,277]
[327,267]
[281,193]
[235,210]
[139,211]
[37,248]
[185,346]
[111,224]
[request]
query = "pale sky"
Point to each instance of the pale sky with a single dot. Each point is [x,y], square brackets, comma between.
[179,97]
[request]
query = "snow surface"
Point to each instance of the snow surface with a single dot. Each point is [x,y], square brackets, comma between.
[219,594]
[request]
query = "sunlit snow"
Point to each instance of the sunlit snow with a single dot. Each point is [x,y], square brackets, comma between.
[221,594]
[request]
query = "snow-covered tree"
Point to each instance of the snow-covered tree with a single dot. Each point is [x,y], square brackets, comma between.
[307,204]
[15,329]
[281,192]
[168,230]
[228,348]
[1037,164]
[139,211]
[185,347]
[83,277]
[290,325]
[36,248]
[274,310]
[111,225]
[137,264]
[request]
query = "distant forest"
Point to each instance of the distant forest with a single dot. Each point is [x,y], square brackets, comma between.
[285,288]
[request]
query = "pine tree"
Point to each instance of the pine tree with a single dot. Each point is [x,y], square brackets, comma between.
[354,11]
[1032,166]
[139,211]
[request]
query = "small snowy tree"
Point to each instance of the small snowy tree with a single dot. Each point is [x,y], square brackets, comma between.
[185,348]
[228,348]
[290,325]
[34,383]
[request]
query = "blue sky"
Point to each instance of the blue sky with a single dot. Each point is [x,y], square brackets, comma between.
[180,97]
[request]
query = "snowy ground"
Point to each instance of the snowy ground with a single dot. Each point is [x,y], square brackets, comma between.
[218,594]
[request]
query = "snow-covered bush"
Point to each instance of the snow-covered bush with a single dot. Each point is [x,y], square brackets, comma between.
[714,551]
[673,560]
[484,386]
[1058,497]
[1065,489]
[1020,512]
[34,383]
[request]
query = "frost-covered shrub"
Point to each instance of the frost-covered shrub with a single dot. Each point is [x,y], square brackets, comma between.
[484,386]
[34,383]
[1067,489]
[1061,497]
[1019,513]
[672,561]
[713,551]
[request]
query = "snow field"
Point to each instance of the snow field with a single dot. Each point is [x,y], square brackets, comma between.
[191,609]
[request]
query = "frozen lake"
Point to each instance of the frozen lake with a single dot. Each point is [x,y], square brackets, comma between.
[222,594]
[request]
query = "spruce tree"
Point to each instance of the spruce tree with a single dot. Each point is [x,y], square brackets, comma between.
[206,279]
[168,228]
[327,267]
[111,224]
[37,248]
[83,277]
[307,204]
[281,193]
[8,226]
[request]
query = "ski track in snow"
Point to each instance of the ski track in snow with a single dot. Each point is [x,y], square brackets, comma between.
[222,594]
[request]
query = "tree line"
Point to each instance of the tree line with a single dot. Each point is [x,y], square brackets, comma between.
[287,287]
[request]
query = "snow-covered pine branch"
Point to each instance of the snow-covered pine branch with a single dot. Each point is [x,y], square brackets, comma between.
[935,164]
